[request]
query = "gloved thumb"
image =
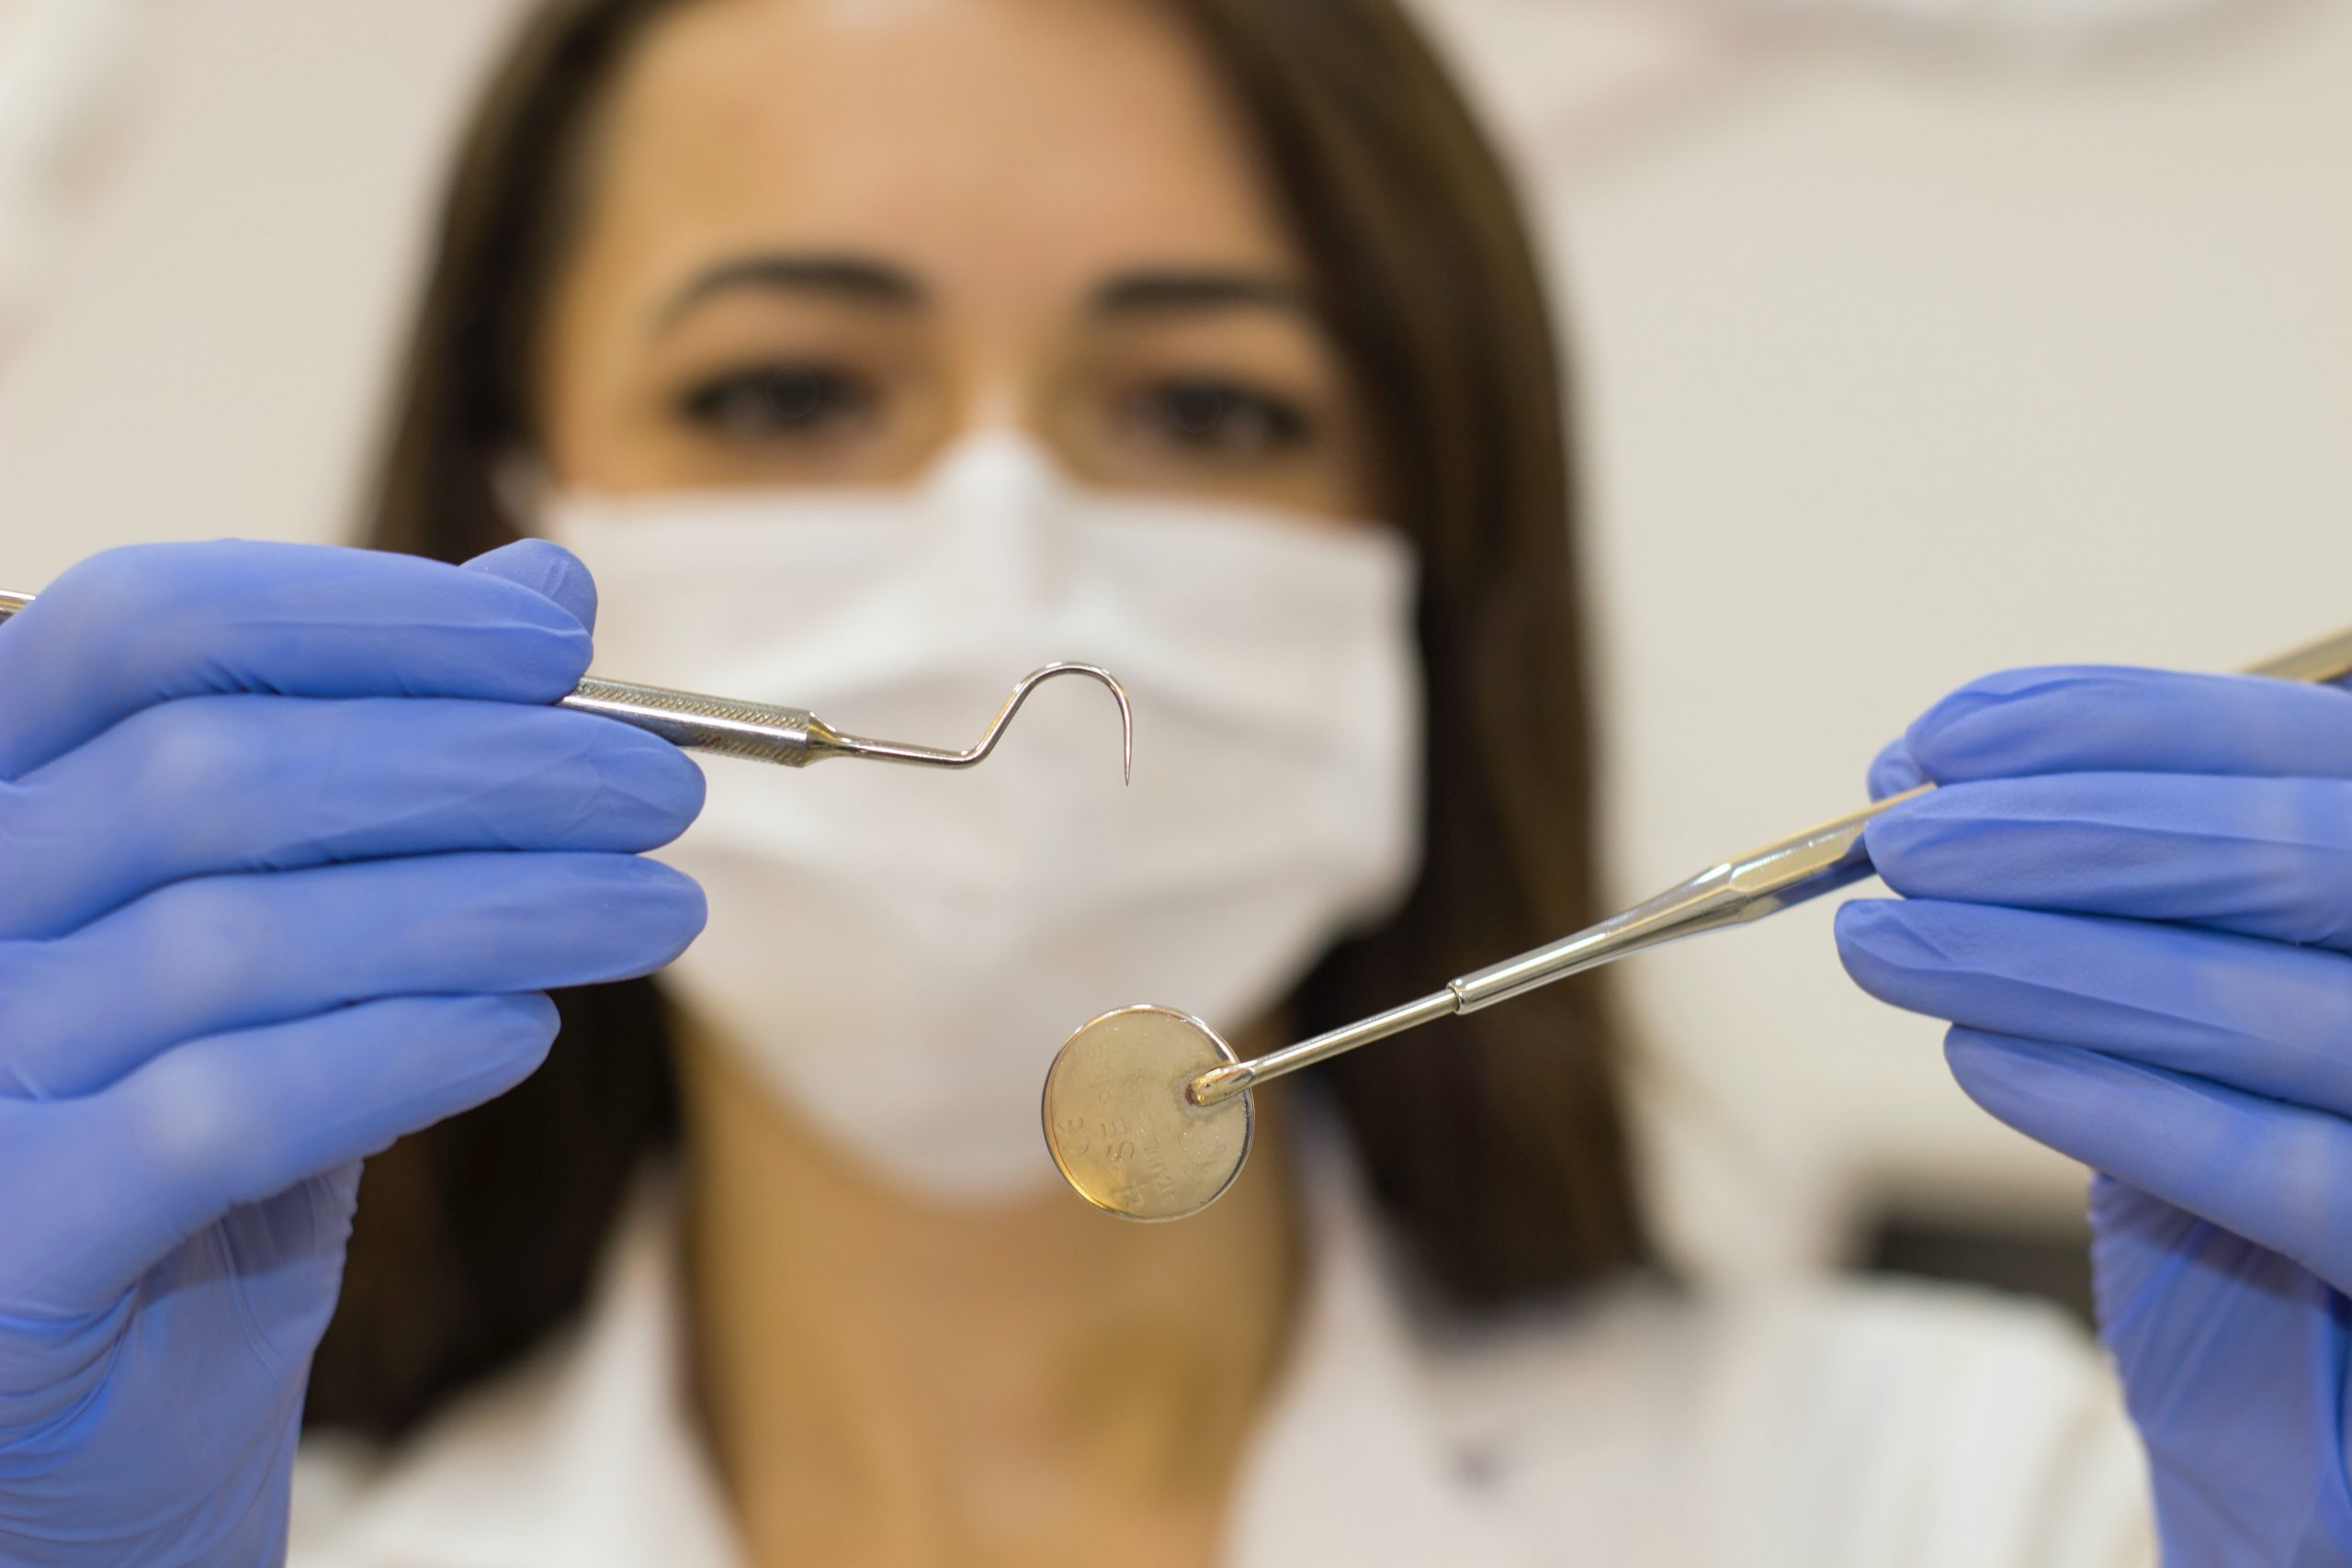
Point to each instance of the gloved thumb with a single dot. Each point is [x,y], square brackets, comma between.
[548,570]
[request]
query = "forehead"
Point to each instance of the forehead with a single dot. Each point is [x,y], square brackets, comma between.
[1040,141]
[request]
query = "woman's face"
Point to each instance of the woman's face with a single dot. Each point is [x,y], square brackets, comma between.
[825,238]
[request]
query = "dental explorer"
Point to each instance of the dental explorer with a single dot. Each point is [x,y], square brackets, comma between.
[1148,1111]
[789,736]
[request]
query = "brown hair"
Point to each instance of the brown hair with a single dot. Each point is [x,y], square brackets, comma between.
[1500,1153]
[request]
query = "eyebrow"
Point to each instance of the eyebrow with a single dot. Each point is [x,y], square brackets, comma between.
[1201,289]
[851,277]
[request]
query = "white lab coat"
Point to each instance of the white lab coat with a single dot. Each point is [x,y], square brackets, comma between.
[1826,1426]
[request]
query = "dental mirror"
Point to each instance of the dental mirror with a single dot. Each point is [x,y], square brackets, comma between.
[1147,1110]
[1121,1127]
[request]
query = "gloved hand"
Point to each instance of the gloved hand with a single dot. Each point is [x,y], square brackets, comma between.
[2133,896]
[291,846]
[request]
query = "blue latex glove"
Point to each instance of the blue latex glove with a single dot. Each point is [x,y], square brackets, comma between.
[2133,896]
[292,848]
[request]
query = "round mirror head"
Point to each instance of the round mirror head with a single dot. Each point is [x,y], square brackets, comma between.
[1120,1126]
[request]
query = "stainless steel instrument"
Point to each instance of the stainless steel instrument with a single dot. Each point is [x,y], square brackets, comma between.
[789,736]
[1133,1099]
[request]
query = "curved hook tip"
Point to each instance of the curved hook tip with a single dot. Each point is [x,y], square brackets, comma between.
[1046,672]
[932,757]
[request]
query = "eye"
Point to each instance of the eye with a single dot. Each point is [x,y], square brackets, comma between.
[778,402]
[1214,417]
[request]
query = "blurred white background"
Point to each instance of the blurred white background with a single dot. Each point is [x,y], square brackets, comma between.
[1905,352]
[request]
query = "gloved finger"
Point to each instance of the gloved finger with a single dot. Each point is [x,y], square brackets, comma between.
[214,785]
[227,952]
[112,1182]
[139,626]
[2261,1016]
[2277,1175]
[2264,857]
[548,570]
[1894,770]
[2097,718]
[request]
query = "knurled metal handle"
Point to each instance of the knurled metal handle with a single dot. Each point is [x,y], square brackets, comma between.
[761,731]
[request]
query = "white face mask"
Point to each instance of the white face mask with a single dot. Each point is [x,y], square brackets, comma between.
[899,952]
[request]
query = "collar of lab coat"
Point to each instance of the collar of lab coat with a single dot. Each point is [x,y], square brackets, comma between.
[589,1457]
